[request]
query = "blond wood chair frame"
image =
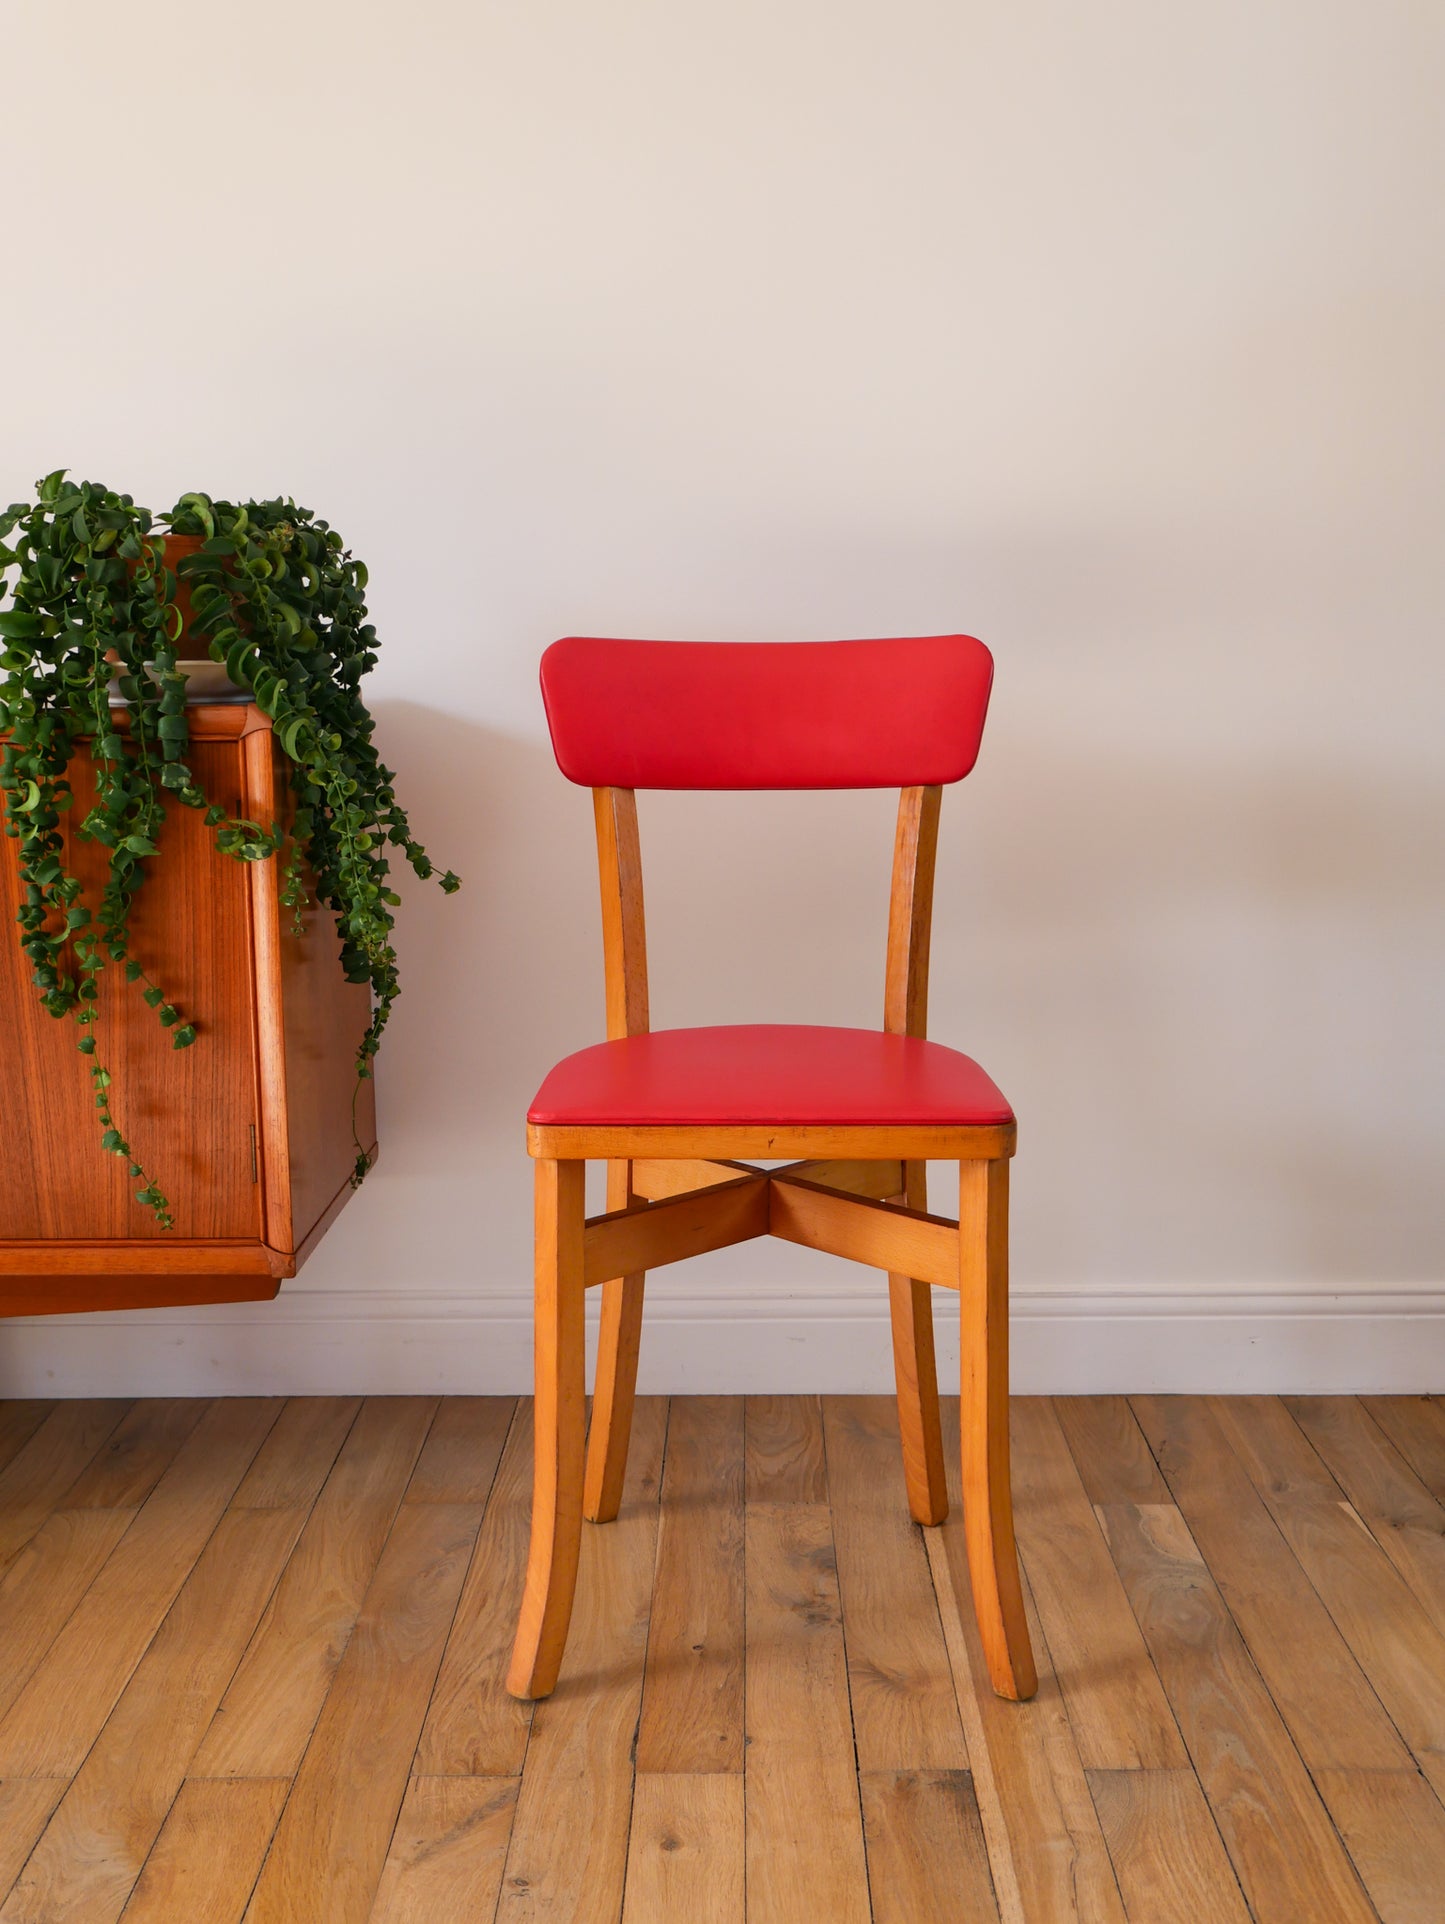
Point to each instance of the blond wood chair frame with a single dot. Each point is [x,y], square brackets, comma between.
[857,1192]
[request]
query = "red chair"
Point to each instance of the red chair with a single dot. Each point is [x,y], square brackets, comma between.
[671,1112]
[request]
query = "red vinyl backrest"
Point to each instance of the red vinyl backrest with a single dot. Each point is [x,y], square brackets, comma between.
[782,714]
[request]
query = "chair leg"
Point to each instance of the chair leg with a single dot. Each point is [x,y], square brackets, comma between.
[613,1397]
[910,1305]
[988,1524]
[560,1429]
[618,1341]
[915,1373]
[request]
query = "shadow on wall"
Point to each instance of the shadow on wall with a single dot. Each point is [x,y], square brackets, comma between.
[1212,995]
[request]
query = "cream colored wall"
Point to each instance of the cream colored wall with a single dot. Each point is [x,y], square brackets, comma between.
[1110,333]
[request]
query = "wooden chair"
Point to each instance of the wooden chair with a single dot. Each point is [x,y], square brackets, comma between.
[672,1111]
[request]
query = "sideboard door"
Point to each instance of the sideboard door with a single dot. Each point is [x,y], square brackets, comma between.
[189,1114]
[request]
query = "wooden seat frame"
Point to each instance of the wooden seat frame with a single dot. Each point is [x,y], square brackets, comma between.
[680,1190]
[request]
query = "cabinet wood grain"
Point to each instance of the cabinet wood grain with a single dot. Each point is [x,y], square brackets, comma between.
[248,1131]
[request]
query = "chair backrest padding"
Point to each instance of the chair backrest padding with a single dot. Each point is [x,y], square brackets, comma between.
[785,714]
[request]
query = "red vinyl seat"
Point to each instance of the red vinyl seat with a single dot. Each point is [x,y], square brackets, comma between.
[769,1073]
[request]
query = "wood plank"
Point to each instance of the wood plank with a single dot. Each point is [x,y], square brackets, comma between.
[42,1472]
[988,1525]
[1045,1846]
[783,1450]
[619,1333]
[190,1107]
[1394,1829]
[692,1700]
[462,1450]
[678,1174]
[1348,1492]
[577,1783]
[1171,1864]
[905,1715]
[1282,1844]
[1007,1894]
[1332,1713]
[51,1279]
[926,1855]
[159,1267]
[331,1844]
[292,1464]
[685,1854]
[45,1583]
[1403,1517]
[915,1381]
[885,1180]
[915,1371]
[1113,1459]
[559,1431]
[56,1717]
[1397,1646]
[628,1241]
[204,1863]
[448,1850]
[619,1329]
[136,1454]
[614,1378]
[624,922]
[862,1229]
[263,1722]
[25,1807]
[769,1141]
[91,1853]
[19,1420]
[1118,1712]
[1416,1427]
[475,1727]
[804,1832]
[910,912]
[310,1022]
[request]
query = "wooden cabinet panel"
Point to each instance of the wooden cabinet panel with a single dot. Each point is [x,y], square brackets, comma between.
[311,1021]
[248,1132]
[191,934]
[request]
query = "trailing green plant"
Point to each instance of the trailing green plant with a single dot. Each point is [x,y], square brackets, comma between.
[87,599]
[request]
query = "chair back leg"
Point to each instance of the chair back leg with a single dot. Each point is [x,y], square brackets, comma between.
[915,1372]
[618,1340]
[987,1497]
[560,1369]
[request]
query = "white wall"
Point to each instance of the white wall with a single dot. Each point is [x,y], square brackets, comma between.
[1111,333]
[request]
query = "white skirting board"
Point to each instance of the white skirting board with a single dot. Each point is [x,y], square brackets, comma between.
[1262,1339]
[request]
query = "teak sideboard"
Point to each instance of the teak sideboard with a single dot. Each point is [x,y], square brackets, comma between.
[248,1132]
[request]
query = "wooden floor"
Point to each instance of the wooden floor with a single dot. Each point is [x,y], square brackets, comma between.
[251,1656]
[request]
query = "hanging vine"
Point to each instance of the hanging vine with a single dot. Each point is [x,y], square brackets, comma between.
[88,605]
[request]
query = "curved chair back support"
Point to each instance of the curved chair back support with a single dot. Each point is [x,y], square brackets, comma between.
[735,714]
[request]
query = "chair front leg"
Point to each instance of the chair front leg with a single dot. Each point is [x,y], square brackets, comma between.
[915,1373]
[618,1341]
[987,1494]
[561,1392]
